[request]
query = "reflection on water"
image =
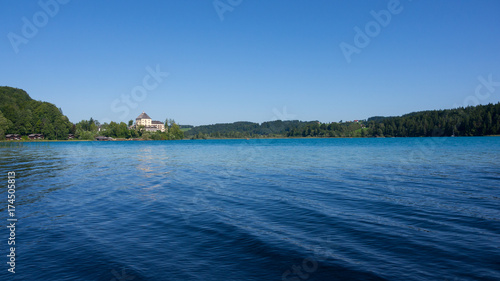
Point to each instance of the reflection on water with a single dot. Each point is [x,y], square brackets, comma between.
[343,209]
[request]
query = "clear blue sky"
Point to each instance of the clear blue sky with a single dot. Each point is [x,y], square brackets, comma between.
[258,59]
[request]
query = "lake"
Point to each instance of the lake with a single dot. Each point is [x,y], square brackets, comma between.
[274,209]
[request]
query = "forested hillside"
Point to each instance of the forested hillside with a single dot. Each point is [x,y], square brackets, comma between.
[247,129]
[481,120]
[20,114]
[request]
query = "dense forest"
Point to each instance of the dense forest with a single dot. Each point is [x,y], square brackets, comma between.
[20,114]
[246,129]
[481,120]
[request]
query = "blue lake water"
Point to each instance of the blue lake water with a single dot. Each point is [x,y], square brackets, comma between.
[290,209]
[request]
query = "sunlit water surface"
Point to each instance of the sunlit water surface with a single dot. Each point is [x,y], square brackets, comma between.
[292,209]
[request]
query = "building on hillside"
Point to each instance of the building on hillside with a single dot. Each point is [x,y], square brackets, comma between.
[148,123]
[143,120]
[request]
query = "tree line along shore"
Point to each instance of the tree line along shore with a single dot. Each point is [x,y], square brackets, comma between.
[21,115]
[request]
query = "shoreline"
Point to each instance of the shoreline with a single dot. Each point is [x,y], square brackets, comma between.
[120,140]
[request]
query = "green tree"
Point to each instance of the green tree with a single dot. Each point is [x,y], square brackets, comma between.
[4,125]
[175,132]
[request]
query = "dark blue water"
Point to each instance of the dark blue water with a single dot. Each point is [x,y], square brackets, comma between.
[293,209]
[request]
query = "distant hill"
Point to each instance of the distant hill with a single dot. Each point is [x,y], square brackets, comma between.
[481,120]
[20,114]
[377,118]
[244,129]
